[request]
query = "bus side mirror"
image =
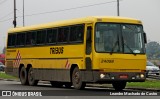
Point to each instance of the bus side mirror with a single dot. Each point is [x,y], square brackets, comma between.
[145,38]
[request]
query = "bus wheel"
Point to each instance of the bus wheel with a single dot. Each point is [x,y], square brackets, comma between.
[56,84]
[23,76]
[77,80]
[119,86]
[31,79]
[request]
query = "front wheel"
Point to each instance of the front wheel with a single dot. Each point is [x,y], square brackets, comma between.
[77,80]
[23,76]
[31,79]
[119,86]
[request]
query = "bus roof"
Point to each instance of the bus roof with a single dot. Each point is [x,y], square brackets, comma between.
[90,19]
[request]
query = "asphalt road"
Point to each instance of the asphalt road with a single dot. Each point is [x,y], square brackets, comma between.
[64,93]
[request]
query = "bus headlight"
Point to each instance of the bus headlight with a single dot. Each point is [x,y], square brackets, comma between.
[102,75]
[139,76]
[142,75]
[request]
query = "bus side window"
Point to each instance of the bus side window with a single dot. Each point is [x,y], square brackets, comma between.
[51,36]
[88,40]
[11,40]
[60,35]
[63,34]
[76,33]
[30,38]
[41,36]
[33,38]
[32,41]
[80,32]
[20,41]
[89,30]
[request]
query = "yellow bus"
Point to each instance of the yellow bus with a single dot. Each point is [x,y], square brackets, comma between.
[96,49]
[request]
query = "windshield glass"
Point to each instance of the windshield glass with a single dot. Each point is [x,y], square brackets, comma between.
[132,37]
[120,38]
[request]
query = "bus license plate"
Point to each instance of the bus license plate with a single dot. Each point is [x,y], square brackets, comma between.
[123,76]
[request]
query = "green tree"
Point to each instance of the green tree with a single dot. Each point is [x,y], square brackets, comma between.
[153,50]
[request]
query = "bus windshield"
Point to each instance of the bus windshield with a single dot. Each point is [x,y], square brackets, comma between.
[119,38]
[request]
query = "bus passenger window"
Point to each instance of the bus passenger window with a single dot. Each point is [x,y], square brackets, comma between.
[30,38]
[41,35]
[11,40]
[51,36]
[32,42]
[76,33]
[20,41]
[63,34]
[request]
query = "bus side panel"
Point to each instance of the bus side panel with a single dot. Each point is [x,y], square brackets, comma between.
[55,69]
[48,64]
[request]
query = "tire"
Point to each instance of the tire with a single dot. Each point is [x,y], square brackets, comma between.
[157,73]
[56,84]
[23,76]
[119,86]
[31,79]
[77,80]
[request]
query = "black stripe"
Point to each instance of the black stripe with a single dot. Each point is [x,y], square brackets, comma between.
[46,45]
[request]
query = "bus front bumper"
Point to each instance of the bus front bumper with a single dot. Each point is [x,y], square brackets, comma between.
[116,76]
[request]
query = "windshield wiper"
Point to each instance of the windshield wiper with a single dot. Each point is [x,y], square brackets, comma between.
[115,44]
[129,48]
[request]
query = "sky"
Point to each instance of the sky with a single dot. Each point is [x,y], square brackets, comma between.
[44,11]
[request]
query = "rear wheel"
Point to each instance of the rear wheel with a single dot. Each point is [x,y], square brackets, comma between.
[77,80]
[23,76]
[119,86]
[31,79]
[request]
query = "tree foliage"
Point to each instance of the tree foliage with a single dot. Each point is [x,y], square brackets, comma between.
[153,50]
